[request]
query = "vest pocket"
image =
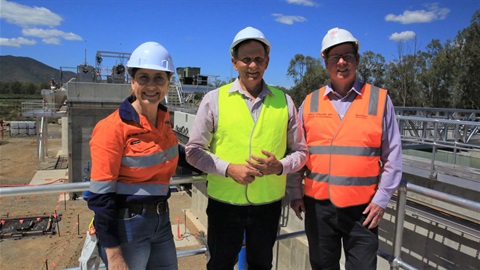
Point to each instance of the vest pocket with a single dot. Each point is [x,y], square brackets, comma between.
[136,146]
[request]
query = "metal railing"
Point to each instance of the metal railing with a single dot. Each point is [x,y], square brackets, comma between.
[394,259]
[424,132]
[440,113]
[443,132]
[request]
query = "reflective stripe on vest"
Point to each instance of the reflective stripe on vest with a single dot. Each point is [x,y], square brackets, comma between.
[344,155]
[238,136]
[150,160]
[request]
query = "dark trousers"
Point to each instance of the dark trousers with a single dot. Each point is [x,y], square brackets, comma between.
[326,226]
[227,225]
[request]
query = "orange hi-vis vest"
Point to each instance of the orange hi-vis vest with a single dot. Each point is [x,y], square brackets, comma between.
[344,155]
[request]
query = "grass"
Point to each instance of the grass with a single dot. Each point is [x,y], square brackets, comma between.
[11,108]
[3,142]
[19,96]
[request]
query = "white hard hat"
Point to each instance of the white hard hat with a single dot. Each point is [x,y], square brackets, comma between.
[337,36]
[249,33]
[151,55]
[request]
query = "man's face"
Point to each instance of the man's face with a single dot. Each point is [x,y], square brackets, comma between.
[342,62]
[251,62]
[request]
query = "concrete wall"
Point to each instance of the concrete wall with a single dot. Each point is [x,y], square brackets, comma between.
[88,103]
[64,123]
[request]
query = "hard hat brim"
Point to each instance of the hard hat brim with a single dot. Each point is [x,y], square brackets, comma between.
[262,40]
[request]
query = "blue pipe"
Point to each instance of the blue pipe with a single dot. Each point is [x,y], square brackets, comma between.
[242,257]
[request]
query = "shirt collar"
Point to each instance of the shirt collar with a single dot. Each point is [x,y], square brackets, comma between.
[237,87]
[128,112]
[357,88]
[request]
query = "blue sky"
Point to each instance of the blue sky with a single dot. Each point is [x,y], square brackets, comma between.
[198,33]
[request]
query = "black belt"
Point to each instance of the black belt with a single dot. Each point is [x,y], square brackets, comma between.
[133,208]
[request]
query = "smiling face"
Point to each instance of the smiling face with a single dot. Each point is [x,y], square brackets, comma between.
[342,62]
[150,86]
[251,61]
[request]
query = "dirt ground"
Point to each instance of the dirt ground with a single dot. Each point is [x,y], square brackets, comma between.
[18,164]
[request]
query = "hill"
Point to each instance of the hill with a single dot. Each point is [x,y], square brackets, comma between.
[25,69]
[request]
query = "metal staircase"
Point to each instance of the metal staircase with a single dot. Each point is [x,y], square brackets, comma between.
[175,95]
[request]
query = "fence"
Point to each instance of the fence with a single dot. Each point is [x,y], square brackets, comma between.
[395,259]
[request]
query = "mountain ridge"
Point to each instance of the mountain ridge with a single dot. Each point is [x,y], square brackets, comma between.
[26,69]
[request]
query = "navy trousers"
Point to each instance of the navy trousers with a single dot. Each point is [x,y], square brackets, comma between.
[327,226]
[227,225]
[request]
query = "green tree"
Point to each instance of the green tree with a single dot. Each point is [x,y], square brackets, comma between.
[308,75]
[17,88]
[393,84]
[31,88]
[372,68]
[436,75]
[468,61]
[297,68]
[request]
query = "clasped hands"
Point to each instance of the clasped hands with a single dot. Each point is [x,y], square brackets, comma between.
[256,167]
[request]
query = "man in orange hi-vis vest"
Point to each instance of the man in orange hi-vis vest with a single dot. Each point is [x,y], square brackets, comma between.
[354,165]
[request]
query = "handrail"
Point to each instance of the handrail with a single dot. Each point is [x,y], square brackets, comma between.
[444,113]
[79,186]
[395,259]
[397,262]
[456,135]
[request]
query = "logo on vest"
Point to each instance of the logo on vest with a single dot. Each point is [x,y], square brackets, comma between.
[362,116]
[320,115]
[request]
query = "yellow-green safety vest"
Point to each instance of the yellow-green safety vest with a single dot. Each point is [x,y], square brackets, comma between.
[238,136]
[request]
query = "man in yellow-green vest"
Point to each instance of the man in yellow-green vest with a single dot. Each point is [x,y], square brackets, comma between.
[246,137]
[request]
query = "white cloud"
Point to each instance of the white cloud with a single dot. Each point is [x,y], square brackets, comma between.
[433,13]
[24,16]
[51,40]
[27,18]
[307,3]
[402,36]
[288,19]
[49,34]
[16,42]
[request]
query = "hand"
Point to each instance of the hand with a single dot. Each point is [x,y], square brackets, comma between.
[375,214]
[115,259]
[269,165]
[243,174]
[298,207]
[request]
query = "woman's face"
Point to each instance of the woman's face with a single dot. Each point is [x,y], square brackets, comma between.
[150,86]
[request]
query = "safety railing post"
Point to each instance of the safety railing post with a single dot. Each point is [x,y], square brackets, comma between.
[399,223]
[433,174]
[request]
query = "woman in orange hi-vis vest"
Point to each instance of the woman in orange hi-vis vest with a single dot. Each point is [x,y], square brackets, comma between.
[354,165]
[134,154]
